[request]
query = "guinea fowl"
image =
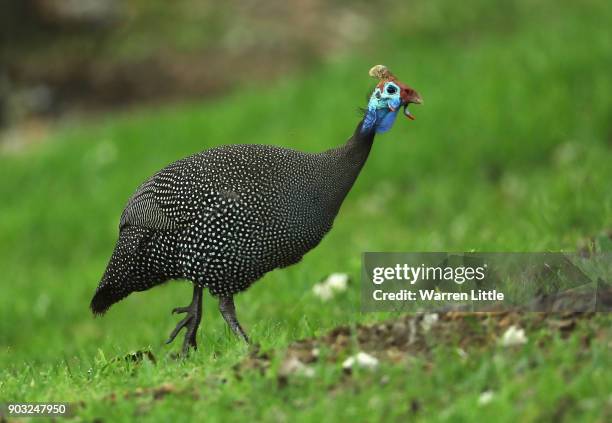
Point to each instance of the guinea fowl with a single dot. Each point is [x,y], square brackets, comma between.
[224,217]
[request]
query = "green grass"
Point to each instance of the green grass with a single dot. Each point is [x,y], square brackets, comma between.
[510,152]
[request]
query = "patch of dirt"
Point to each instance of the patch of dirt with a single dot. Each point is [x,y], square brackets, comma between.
[396,340]
[155,392]
[399,339]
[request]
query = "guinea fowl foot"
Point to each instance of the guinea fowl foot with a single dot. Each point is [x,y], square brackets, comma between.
[228,311]
[190,322]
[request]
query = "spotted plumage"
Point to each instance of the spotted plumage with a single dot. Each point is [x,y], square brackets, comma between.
[224,217]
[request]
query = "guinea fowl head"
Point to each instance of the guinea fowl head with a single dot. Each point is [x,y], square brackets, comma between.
[388,96]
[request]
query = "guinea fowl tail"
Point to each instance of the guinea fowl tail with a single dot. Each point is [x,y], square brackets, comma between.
[122,275]
[103,299]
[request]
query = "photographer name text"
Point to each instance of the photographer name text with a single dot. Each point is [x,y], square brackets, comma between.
[440,274]
[432,295]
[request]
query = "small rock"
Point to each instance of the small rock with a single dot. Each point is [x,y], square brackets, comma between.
[361,359]
[513,336]
[429,321]
[485,397]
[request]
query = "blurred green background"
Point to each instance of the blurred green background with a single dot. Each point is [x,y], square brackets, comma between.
[512,151]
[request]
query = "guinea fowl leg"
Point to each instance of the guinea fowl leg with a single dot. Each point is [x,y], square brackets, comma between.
[191,321]
[228,311]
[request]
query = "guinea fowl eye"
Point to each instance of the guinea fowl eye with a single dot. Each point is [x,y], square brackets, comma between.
[391,89]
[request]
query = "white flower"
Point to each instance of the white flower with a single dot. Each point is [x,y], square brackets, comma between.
[429,320]
[485,398]
[361,359]
[323,291]
[513,336]
[337,281]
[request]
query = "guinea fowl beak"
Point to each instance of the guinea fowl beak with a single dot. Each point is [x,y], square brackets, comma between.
[416,100]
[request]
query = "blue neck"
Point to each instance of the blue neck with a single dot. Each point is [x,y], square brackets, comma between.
[379,120]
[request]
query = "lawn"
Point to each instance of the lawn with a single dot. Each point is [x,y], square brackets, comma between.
[511,151]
